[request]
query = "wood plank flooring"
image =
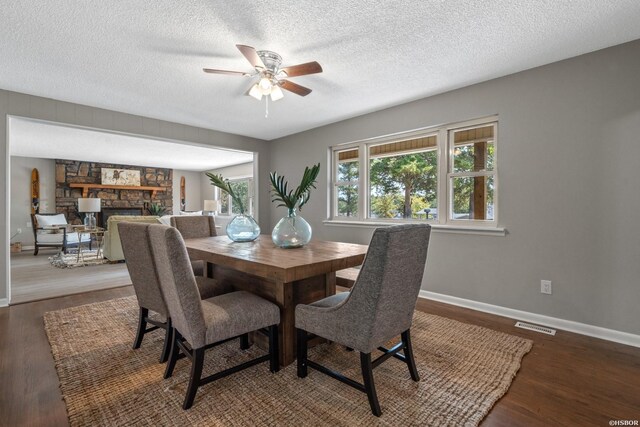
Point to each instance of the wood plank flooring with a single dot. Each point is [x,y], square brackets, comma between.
[34,278]
[567,380]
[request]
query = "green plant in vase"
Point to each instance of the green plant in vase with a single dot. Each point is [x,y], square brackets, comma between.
[293,231]
[242,228]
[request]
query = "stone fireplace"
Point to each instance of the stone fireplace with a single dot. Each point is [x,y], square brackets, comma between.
[113,199]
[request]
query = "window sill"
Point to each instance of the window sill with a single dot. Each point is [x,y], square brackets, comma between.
[437,228]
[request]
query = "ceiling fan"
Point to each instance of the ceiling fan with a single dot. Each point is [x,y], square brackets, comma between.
[273,78]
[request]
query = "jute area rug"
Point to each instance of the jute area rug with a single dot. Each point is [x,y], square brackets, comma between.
[464,370]
[71,259]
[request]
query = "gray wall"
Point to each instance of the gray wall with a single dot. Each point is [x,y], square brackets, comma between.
[193,185]
[569,171]
[18,104]
[21,194]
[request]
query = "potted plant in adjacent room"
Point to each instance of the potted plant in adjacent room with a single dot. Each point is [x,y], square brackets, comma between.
[156,209]
[293,231]
[242,228]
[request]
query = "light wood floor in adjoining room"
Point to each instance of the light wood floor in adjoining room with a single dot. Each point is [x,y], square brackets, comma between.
[568,380]
[34,278]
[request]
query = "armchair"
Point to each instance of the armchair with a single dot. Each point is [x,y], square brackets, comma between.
[50,231]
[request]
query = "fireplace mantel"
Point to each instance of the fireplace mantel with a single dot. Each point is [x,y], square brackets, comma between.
[86,187]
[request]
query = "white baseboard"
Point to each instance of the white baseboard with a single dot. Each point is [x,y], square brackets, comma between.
[4,302]
[554,322]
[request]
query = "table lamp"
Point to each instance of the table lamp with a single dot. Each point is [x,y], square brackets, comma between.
[210,207]
[89,206]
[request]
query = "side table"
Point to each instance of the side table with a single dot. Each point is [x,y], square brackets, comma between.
[96,234]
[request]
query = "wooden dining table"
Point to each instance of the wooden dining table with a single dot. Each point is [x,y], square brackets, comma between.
[287,277]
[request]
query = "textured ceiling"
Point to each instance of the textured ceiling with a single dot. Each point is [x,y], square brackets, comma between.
[73,143]
[146,57]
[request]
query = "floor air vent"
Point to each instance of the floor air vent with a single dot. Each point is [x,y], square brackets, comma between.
[536,328]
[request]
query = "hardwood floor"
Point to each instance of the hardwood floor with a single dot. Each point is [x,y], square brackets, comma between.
[34,278]
[568,379]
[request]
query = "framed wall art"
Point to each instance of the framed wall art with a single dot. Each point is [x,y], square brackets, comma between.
[120,177]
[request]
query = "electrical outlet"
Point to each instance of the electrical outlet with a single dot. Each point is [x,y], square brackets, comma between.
[19,230]
[28,224]
[545,287]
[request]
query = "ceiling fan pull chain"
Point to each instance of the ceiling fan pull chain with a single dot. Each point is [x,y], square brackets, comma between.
[266,107]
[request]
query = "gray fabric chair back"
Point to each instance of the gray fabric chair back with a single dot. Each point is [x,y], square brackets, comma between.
[383,298]
[178,283]
[194,226]
[137,254]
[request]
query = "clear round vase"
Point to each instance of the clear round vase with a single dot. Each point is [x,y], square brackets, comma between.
[243,228]
[292,231]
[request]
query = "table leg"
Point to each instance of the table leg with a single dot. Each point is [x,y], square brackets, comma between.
[330,284]
[79,248]
[99,243]
[286,329]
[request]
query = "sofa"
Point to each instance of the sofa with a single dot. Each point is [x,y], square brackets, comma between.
[112,244]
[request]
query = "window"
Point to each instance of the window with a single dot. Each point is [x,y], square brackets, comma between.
[403,178]
[409,177]
[243,188]
[472,176]
[346,186]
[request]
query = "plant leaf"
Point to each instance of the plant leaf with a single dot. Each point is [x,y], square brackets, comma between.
[290,198]
[225,185]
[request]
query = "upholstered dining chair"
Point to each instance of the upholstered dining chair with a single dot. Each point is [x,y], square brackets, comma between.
[137,253]
[378,308]
[202,324]
[193,227]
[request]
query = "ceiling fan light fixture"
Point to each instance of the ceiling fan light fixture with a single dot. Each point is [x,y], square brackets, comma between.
[276,93]
[265,85]
[256,92]
[271,76]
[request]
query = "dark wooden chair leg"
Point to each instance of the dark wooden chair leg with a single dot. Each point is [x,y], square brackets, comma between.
[302,353]
[142,327]
[194,381]
[408,355]
[370,388]
[274,350]
[244,341]
[167,342]
[35,251]
[173,355]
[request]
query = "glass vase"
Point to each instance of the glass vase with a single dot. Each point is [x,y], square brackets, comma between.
[243,228]
[292,231]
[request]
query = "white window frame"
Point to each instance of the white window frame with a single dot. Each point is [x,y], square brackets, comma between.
[337,184]
[444,148]
[451,174]
[248,209]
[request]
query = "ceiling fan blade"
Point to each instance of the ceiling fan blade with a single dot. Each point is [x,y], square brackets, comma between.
[233,73]
[295,88]
[251,55]
[302,69]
